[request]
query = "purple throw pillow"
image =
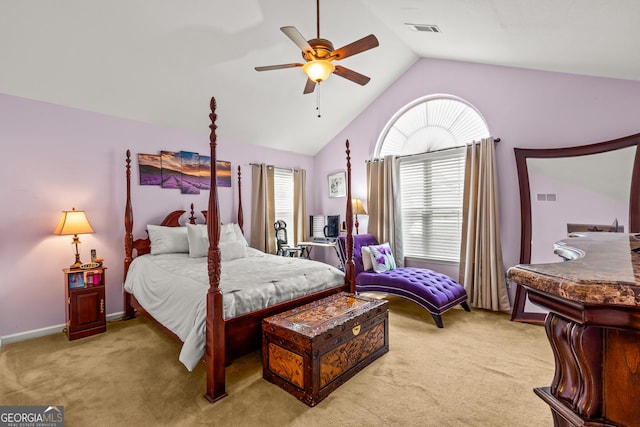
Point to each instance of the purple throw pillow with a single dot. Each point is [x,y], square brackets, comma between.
[382,258]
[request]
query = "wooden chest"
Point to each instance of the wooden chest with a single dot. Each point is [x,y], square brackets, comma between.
[311,350]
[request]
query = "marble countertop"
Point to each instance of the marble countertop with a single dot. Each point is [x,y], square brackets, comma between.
[607,273]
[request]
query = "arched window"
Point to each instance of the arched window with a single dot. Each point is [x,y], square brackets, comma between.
[429,135]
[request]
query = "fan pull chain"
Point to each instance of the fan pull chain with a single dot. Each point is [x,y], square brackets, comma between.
[318,99]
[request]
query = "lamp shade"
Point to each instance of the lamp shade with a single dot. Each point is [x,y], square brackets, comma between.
[73,222]
[358,208]
[318,70]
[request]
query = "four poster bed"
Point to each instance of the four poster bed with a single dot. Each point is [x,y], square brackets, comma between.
[230,324]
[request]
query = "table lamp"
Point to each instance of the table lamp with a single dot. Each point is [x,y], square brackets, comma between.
[358,209]
[74,222]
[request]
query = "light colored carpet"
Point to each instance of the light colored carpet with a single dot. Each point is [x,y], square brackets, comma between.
[478,371]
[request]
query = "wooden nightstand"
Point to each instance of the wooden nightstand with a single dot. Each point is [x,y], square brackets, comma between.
[84,294]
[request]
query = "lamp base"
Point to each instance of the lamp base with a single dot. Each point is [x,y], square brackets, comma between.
[78,263]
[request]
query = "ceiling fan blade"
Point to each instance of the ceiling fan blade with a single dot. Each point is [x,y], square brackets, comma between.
[351,75]
[298,39]
[309,87]
[278,67]
[365,43]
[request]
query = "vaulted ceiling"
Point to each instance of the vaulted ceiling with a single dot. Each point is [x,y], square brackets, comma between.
[160,61]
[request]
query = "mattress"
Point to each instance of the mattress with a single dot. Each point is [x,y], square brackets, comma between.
[172,288]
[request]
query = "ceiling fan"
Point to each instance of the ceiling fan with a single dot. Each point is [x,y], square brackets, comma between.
[319,55]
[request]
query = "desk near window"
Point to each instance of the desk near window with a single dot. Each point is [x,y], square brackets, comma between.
[320,243]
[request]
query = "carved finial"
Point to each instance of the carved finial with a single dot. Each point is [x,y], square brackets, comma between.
[213,116]
[192,216]
[348,154]
[128,164]
[240,213]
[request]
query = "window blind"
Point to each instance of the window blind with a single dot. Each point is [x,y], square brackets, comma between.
[431,190]
[317,225]
[283,195]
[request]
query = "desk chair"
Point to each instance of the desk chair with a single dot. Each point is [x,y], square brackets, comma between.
[282,243]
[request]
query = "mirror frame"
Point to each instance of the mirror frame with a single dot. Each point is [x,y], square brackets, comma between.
[522,154]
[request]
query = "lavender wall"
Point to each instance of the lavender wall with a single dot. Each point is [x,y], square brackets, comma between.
[55,158]
[525,108]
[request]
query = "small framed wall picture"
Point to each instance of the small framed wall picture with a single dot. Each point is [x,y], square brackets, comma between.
[338,184]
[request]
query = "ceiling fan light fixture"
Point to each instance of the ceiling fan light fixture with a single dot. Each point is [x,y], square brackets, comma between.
[318,54]
[318,70]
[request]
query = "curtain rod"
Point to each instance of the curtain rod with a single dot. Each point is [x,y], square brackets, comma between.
[496,140]
[275,167]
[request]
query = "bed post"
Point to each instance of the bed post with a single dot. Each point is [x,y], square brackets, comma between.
[215,341]
[240,214]
[349,266]
[128,240]
[192,216]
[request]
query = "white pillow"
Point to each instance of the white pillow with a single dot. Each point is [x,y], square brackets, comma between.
[167,240]
[232,243]
[198,240]
[232,250]
[227,234]
[366,258]
[239,234]
[231,232]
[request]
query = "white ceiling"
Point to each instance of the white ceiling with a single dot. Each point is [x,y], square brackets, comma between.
[160,61]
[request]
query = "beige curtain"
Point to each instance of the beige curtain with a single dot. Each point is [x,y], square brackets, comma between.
[481,266]
[384,204]
[300,221]
[263,213]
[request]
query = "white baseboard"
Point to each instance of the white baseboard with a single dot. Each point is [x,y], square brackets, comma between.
[49,330]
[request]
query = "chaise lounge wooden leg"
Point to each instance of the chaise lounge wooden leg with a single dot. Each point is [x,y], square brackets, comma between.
[465,305]
[438,319]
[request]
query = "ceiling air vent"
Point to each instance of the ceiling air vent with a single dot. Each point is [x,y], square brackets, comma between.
[424,28]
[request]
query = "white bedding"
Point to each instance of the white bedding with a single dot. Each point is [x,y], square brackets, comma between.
[173,287]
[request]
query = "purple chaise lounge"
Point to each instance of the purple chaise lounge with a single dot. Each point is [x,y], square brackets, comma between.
[435,292]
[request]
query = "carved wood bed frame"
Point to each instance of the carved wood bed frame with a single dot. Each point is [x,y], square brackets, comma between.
[231,338]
